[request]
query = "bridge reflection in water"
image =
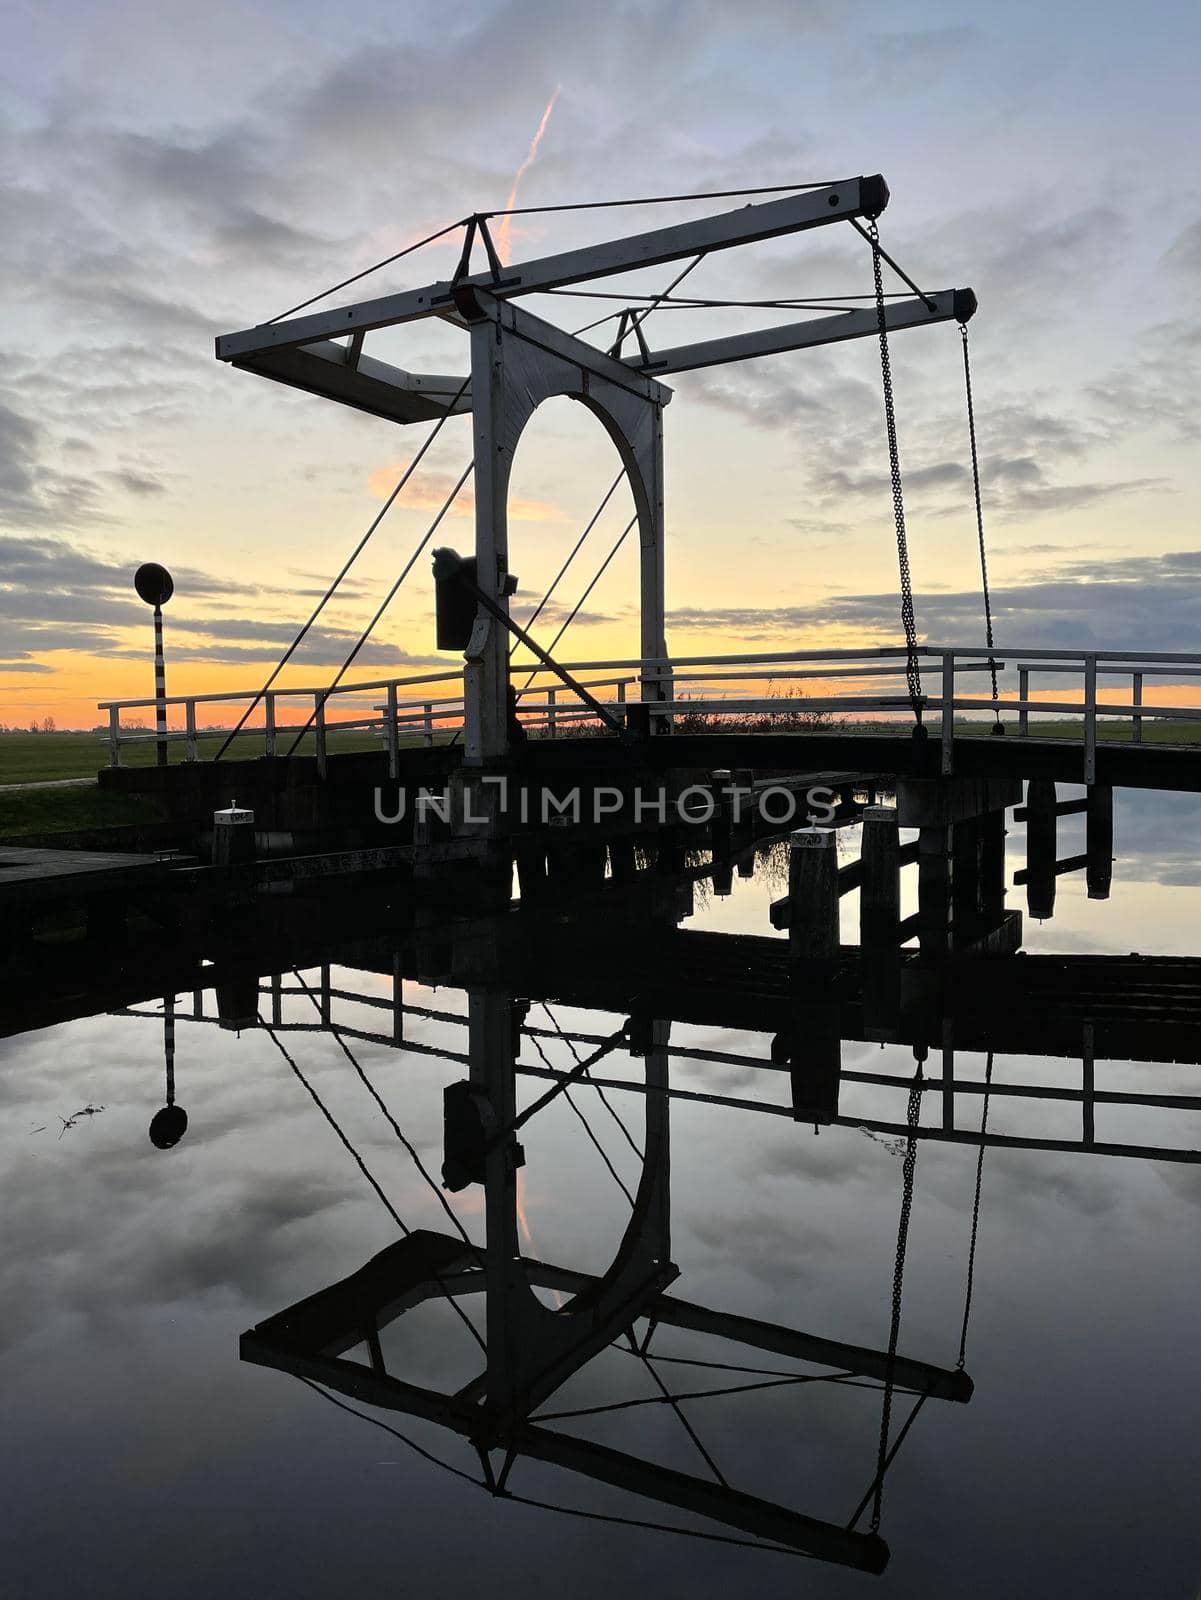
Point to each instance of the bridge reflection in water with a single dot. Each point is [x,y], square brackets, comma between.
[604,934]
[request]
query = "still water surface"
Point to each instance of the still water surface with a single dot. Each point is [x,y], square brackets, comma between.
[143,1457]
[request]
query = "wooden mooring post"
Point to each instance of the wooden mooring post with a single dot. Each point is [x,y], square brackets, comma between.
[1098,826]
[813,899]
[880,889]
[1041,831]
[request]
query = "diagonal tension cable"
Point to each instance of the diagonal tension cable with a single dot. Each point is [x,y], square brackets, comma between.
[366,1171]
[971,429]
[600,1093]
[388,598]
[585,1124]
[876,1492]
[346,566]
[554,584]
[674,1402]
[534,211]
[575,610]
[435,1188]
[367,271]
[912,668]
[971,1254]
[666,199]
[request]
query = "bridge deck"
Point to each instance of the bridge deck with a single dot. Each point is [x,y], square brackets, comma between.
[202,785]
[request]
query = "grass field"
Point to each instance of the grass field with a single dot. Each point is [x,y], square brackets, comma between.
[44,811]
[43,757]
[1072,728]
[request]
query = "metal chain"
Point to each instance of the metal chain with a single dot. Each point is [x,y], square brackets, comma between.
[971,429]
[912,669]
[971,1253]
[898,1278]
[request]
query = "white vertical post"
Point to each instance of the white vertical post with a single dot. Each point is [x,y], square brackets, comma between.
[948,713]
[486,678]
[1090,719]
[1023,696]
[190,753]
[390,732]
[428,723]
[319,730]
[160,689]
[656,681]
[269,724]
[1137,695]
[114,736]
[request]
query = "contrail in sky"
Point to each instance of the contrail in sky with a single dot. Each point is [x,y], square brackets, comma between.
[502,233]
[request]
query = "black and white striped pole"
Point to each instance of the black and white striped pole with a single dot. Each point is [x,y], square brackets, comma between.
[168,1126]
[156,586]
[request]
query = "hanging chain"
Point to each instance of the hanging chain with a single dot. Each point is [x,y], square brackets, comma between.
[898,1280]
[971,429]
[971,1253]
[912,669]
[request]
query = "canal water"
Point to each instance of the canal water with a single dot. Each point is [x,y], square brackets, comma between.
[144,1456]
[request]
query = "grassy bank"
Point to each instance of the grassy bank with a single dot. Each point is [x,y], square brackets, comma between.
[45,757]
[45,811]
[1072,728]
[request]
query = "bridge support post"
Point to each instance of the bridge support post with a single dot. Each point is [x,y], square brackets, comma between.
[623,863]
[655,682]
[721,834]
[1041,830]
[815,1060]
[967,909]
[813,899]
[1098,825]
[934,889]
[880,890]
[880,970]
[992,867]
[486,681]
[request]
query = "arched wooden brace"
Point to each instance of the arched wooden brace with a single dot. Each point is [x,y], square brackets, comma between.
[532,1348]
[518,361]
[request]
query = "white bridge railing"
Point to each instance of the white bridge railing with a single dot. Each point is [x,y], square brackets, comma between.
[821,685]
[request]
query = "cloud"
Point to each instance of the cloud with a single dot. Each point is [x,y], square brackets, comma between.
[1154,388]
[555,611]
[1183,256]
[430,491]
[32,493]
[139,483]
[1024,445]
[323,647]
[1114,605]
[913,60]
[55,595]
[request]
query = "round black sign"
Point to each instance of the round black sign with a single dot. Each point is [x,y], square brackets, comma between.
[154,584]
[168,1127]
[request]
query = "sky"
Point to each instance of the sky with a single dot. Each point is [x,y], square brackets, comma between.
[171,172]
